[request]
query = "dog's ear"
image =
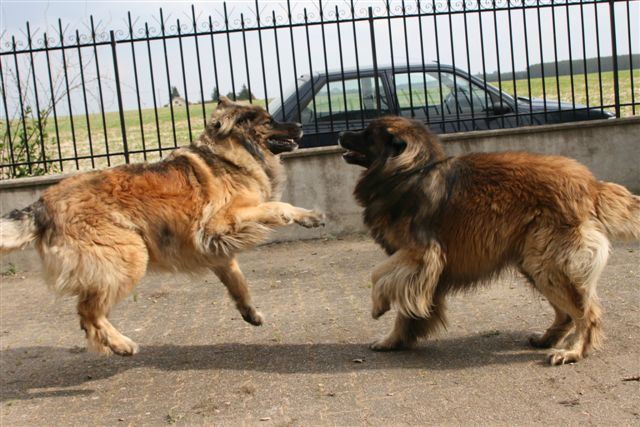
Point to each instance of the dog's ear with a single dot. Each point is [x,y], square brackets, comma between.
[222,121]
[224,102]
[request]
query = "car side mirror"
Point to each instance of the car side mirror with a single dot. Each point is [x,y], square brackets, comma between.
[499,110]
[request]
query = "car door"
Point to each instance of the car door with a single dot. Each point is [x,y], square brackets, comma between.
[446,101]
[339,104]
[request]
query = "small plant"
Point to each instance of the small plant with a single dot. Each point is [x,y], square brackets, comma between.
[10,271]
[171,418]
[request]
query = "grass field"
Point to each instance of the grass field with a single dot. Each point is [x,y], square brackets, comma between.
[163,134]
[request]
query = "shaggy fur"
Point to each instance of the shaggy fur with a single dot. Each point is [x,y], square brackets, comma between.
[450,223]
[98,232]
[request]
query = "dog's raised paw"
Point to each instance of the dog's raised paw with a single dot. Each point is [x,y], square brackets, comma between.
[254,317]
[312,219]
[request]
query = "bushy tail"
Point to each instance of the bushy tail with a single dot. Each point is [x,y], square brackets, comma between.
[17,229]
[619,211]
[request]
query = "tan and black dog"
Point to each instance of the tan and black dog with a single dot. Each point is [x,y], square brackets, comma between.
[450,223]
[97,232]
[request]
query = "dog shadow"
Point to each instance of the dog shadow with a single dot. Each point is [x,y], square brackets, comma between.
[32,372]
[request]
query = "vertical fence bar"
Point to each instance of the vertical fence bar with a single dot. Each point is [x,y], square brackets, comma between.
[555,56]
[226,23]
[393,64]
[22,109]
[184,81]
[264,75]
[424,77]
[453,64]
[573,92]
[313,83]
[166,65]
[484,68]
[526,50]
[584,58]
[355,45]
[633,96]
[513,65]
[374,55]
[53,101]
[344,85]
[326,65]
[35,92]
[406,48]
[123,126]
[293,56]
[213,57]
[68,93]
[104,119]
[153,89]
[195,39]
[595,17]
[84,98]
[614,53]
[466,45]
[277,45]
[495,30]
[135,77]
[246,58]
[6,113]
[435,29]
[544,76]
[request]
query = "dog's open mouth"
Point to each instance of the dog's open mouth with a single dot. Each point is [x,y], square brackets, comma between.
[354,157]
[279,145]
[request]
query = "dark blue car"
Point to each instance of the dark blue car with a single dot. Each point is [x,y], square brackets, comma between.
[445,98]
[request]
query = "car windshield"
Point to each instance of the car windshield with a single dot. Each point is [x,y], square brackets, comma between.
[288,91]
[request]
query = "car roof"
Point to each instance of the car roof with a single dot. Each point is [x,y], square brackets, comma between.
[432,65]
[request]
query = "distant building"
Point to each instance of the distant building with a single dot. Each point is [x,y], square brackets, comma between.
[178,101]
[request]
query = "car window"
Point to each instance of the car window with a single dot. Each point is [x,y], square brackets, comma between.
[436,94]
[341,100]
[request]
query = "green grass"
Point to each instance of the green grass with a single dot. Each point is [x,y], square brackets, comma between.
[580,89]
[165,127]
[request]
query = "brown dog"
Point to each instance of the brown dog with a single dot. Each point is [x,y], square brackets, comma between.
[452,223]
[97,232]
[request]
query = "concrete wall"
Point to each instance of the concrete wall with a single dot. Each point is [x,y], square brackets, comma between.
[319,178]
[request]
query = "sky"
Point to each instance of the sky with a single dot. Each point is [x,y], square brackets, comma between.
[399,41]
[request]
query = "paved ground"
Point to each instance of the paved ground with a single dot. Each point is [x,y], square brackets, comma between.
[309,364]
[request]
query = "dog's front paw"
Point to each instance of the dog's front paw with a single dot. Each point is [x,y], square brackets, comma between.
[252,316]
[563,357]
[311,219]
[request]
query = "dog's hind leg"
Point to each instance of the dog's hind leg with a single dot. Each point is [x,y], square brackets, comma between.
[407,330]
[104,276]
[231,276]
[102,337]
[567,274]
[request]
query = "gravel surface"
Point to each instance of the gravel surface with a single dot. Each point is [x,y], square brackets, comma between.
[309,364]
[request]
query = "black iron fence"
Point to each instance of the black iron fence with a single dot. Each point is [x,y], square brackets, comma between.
[80,99]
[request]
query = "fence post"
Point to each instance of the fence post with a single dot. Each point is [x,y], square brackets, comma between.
[375,60]
[614,53]
[119,93]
